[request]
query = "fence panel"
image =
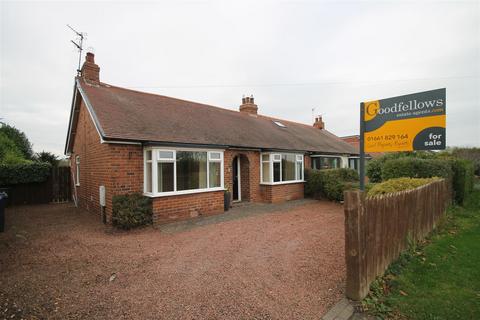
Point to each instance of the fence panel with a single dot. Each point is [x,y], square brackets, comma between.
[55,189]
[378,229]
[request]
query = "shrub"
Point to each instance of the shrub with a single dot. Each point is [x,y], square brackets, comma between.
[416,168]
[463,178]
[398,184]
[26,172]
[330,183]
[130,211]
[374,170]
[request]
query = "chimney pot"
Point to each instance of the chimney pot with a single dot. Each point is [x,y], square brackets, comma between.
[319,124]
[248,106]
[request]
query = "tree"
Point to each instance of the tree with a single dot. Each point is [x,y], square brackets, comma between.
[19,139]
[9,151]
[46,156]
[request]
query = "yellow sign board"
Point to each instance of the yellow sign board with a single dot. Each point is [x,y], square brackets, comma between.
[406,123]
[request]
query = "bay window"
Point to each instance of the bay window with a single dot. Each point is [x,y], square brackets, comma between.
[181,171]
[281,168]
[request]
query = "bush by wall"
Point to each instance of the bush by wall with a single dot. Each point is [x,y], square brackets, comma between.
[130,211]
[26,172]
[398,184]
[415,168]
[329,183]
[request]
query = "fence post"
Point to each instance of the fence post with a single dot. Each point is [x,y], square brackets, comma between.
[355,244]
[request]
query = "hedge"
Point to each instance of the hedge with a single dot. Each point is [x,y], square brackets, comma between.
[463,178]
[398,184]
[330,183]
[416,168]
[28,172]
[131,210]
[459,171]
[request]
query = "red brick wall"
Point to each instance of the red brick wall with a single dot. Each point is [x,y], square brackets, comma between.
[250,179]
[181,207]
[117,167]
[94,163]
[282,192]
[258,192]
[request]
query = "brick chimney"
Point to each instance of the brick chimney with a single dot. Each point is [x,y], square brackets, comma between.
[90,71]
[248,106]
[319,124]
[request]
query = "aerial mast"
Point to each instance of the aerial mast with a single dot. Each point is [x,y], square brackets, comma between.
[79,45]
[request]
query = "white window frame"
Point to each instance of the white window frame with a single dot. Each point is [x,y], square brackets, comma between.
[276,157]
[147,163]
[77,171]
[156,158]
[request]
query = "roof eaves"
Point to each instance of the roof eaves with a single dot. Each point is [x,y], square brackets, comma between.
[70,122]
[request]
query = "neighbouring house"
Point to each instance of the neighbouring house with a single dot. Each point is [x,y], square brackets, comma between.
[184,154]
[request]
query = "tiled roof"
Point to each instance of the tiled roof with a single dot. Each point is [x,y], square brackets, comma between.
[125,114]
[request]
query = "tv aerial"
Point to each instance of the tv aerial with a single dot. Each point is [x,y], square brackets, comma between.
[79,45]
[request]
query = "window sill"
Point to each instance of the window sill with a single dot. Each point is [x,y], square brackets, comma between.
[280,183]
[179,193]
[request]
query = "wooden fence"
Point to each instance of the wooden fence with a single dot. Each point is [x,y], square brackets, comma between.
[378,229]
[56,188]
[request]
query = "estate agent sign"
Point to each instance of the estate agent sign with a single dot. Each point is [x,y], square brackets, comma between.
[405,123]
[411,122]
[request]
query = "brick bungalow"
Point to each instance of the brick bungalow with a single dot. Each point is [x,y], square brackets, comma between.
[184,154]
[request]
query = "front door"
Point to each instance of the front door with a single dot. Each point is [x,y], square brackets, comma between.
[236,194]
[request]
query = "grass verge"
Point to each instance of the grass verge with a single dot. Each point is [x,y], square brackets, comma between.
[438,278]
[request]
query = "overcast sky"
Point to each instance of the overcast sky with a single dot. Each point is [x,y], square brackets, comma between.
[291,55]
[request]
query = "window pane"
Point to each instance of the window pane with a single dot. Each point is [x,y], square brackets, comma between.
[165,176]
[331,163]
[325,163]
[215,155]
[214,174]
[276,171]
[148,177]
[149,155]
[276,157]
[353,163]
[288,167]
[265,157]
[165,154]
[266,172]
[299,171]
[191,170]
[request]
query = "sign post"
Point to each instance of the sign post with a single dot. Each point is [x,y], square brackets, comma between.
[405,123]
[362,147]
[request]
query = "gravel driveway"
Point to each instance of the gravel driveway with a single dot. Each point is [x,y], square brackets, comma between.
[257,262]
